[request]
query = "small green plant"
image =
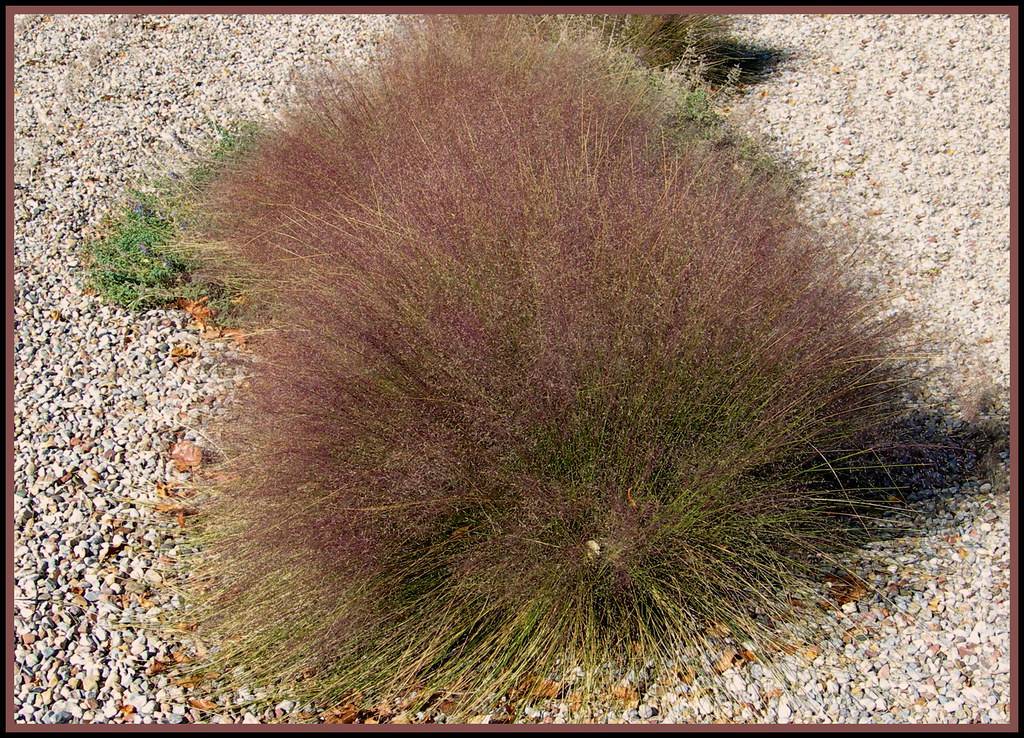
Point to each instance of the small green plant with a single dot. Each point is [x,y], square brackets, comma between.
[132,264]
[142,259]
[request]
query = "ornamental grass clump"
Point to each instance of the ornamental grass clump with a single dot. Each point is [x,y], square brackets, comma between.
[545,394]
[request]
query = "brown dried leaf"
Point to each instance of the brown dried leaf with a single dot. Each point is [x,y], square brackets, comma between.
[180,657]
[727,660]
[342,715]
[201,313]
[625,693]
[156,667]
[186,455]
[202,704]
[181,352]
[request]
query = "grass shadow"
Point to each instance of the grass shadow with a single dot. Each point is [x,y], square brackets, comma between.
[746,63]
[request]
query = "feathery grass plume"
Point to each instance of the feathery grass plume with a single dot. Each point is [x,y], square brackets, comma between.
[546,395]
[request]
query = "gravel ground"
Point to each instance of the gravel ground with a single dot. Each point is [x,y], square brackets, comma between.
[901,124]
[99,399]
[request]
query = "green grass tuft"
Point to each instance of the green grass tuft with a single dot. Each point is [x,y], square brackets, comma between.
[133,265]
[143,258]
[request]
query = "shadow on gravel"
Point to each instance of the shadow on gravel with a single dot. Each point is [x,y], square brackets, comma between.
[936,454]
[754,63]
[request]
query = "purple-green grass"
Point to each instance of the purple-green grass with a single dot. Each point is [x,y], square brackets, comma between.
[547,394]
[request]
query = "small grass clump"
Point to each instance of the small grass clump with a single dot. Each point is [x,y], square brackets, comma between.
[703,42]
[143,259]
[546,394]
[694,62]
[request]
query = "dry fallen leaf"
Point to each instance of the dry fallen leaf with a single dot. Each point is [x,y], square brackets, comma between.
[625,693]
[547,688]
[181,352]
[342,715]
[186,455]
[180,657]
[198,309]
[726,660]
[202,704]
[156,667]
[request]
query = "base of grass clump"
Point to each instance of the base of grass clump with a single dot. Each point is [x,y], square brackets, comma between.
[551,391]
[143,258]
